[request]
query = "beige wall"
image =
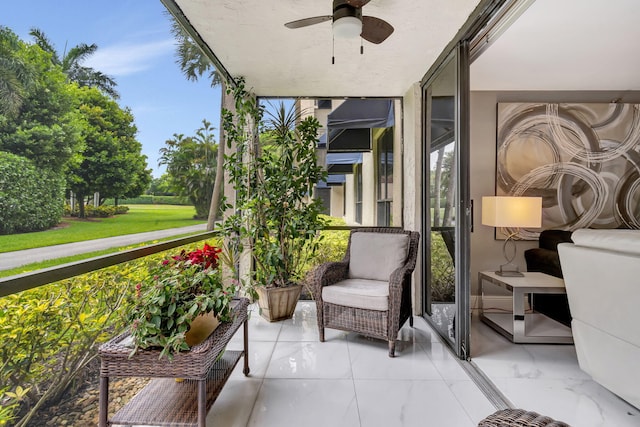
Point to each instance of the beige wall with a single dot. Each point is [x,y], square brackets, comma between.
[368,188]
[486,252]
[337,201]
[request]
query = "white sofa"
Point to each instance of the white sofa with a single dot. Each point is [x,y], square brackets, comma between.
[601,271]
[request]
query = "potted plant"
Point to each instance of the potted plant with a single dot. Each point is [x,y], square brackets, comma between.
[180,295]
[276,217]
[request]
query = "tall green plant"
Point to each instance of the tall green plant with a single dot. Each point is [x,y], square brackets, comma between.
[276,216]
[191,166]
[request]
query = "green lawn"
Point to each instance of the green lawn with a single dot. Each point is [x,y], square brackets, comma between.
[58,261]
[139,219]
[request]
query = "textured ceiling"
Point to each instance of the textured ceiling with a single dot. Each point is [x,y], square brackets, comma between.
[250,39]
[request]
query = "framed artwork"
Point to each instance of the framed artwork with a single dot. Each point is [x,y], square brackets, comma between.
[582,159]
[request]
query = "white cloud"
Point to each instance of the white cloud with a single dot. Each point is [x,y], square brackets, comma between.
[125,59]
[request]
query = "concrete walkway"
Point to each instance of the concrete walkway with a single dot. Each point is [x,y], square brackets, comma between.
[16,259]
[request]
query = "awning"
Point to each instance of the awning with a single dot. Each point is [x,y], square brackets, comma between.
[322,141]
[349,125]
[332,180]
[342,140]
[442,121]
[362,113]
[341,163]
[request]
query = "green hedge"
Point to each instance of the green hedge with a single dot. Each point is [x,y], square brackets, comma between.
[103,211]
[151,200]
[31,199]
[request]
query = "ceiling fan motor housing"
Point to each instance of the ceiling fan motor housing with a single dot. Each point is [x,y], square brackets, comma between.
[342,9]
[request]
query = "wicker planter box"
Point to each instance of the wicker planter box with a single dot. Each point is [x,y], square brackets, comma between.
[278,303]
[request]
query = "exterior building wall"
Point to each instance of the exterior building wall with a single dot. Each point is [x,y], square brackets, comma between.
[350,197]
[337,201]
[368,189]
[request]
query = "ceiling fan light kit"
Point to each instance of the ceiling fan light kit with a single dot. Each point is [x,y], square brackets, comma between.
[348,22]
[348,27]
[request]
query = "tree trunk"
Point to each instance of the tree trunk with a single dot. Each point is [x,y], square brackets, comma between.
[437,184]
[214,208]
[451,193]
[80,199]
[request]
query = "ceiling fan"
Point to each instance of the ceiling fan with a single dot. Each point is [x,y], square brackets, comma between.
[348,22]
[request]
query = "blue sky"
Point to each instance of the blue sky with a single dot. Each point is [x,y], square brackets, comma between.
[136,48]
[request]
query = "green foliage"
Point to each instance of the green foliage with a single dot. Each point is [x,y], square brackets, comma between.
[332,246]
[442,271]
[15,74]
[71,64]
[102,211]
[45,128]
[175,292]
[161,186]
[30,199]
[191,166]
[152,200]
[10,403]
[277,218]
[50,333]
[111,162]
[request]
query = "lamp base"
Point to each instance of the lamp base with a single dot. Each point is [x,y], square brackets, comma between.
[508,273]
[511,270]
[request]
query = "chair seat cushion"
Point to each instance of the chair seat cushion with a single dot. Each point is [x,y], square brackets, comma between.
[359,293]
[376,255]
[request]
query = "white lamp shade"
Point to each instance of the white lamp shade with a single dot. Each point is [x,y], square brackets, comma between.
[347,27]
[509,211]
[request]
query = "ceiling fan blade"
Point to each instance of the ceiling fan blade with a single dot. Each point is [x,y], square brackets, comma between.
[375,30]
[308,21]
[357,3]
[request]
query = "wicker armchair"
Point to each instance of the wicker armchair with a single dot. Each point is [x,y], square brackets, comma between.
[369,291]
[519,418]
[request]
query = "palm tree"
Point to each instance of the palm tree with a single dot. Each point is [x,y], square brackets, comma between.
[194,64]
[71,63]
[15,75]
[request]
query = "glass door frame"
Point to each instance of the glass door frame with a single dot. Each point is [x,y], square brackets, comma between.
[463,210]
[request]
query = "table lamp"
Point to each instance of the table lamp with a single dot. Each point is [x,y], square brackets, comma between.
[514,213]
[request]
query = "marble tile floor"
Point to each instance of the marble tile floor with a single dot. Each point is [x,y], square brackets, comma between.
[546,379]
[348,380]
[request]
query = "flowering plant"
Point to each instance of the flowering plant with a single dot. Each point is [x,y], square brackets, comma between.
[177,291]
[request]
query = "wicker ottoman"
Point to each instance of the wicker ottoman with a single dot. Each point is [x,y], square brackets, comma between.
[519,418]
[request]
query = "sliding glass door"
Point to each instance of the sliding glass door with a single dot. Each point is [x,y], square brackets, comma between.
[445,200]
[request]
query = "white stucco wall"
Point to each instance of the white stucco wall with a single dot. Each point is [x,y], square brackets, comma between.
[411,167]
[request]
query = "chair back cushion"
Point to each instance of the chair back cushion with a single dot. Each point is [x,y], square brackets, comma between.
[375,256]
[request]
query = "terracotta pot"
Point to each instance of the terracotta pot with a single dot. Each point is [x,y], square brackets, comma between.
[278,303]
[200,329]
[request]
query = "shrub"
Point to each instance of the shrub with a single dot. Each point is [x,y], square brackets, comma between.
[120,209]
[31,199]
[102,211]
[152,200]
[332,246]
